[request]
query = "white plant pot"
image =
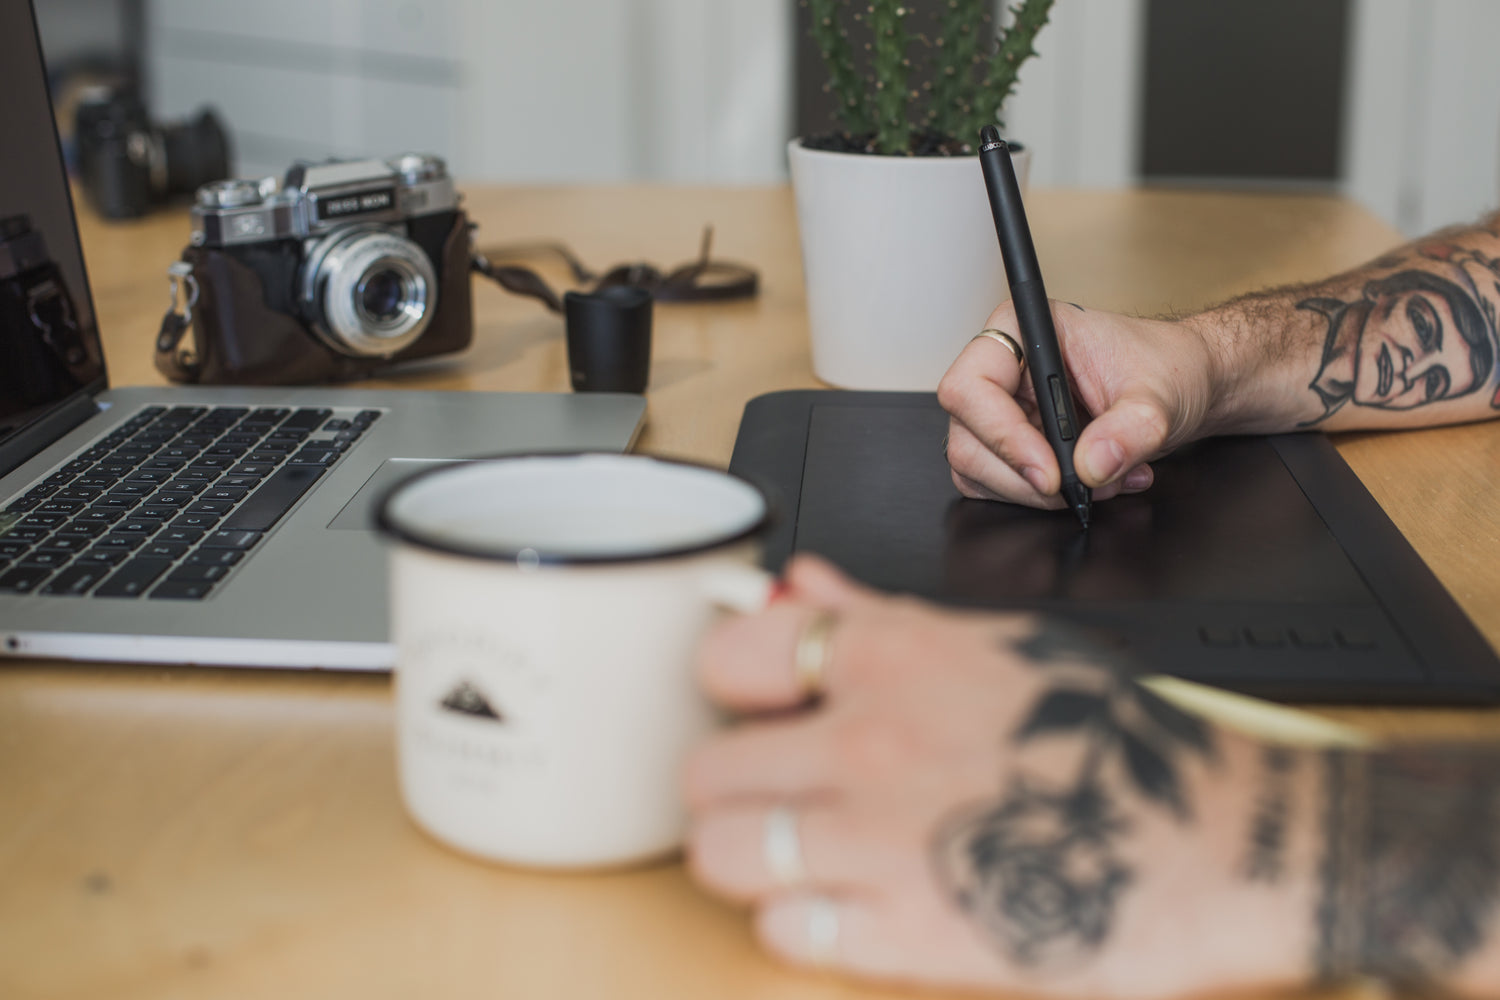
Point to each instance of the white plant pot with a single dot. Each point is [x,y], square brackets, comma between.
[901,262]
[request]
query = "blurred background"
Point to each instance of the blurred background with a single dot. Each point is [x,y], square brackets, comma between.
[1395,103]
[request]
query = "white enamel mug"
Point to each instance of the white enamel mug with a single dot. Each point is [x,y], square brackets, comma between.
[546,610]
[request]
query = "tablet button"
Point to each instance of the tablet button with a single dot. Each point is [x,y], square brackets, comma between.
[1266,638]
[1352,638]
[1311,638]
[1220,637]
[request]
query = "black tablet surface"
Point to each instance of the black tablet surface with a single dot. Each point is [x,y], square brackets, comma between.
[1259,564]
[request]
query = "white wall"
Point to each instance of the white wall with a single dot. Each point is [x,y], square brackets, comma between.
[513,90]
[1077,104]
[1422,143]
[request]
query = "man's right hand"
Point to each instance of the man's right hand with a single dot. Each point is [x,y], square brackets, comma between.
[1146,385]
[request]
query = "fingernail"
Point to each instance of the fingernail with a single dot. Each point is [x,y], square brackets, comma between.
[1139,478]
[1036,479]
[1103,460]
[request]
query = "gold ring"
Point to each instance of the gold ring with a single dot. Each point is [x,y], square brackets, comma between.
[1005,340]
[814,650]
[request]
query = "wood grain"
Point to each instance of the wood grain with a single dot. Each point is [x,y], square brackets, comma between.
[184,833]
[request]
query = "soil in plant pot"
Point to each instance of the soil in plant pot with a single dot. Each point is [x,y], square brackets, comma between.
[924,142]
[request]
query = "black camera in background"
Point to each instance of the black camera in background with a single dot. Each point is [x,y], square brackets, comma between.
[1244,89]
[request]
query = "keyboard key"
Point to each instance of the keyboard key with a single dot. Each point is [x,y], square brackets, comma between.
[366,417]
[213,462]
[23,579]
[155,511]
[165,464]
[49,557]
[50,520]
[117,501]
[186,485]
[61,507]
[148,476]
[266,505]
[136,526]
[24,533]
[221,493]
[69,543]
[130,489]
[128,543]
[91,529]
[198,474]
[164,550]
[306,419]
[13,546]
[259,457]
[231,539]
[314,456]
[100,515]
[195,522]
[284,447]
[107,557]
[214,557]
[96,482]
[208,572]
[132,579]
[257,469]
[182,590]
[76,493]
[336,425]
[238,482]
[186,536]
[76,579]
[171,498]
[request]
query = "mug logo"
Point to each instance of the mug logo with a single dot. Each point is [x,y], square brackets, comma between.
[466,699]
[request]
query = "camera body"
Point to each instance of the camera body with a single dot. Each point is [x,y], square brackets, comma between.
[335,272]
[43,352]
[127,164]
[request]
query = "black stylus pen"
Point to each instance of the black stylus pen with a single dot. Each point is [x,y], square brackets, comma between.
[1054,396]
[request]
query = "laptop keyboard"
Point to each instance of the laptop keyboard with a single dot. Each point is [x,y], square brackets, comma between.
[171,502]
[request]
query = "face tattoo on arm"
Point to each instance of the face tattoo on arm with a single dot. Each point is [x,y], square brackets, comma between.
[1039,871]
[1412,338]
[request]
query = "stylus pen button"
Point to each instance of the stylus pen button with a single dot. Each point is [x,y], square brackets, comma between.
[1222,638]
[1265,638]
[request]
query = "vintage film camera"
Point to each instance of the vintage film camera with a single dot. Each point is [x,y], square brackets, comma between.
[337,271]
[128,164]
[43,353]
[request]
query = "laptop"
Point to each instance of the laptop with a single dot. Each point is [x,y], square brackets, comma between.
[203,525]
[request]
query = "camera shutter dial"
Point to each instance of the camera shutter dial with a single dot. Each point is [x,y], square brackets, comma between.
[372,292]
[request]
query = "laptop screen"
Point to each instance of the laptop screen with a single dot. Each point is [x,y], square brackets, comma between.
[49,344]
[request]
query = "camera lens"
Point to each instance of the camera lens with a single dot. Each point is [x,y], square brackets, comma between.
[381,295]
[370,291]
[196,153]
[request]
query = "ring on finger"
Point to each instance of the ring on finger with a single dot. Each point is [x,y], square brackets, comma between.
[814,651]
[781,844]
[1005,340]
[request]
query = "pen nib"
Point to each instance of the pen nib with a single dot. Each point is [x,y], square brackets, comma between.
[1080,498]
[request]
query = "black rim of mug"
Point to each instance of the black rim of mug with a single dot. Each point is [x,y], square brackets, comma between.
[390,526]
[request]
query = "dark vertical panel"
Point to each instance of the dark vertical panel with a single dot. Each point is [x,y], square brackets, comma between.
[1244,88]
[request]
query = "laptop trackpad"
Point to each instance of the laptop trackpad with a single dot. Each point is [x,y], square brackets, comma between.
[359,512]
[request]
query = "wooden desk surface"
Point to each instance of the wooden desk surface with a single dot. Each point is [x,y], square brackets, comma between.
[204,833]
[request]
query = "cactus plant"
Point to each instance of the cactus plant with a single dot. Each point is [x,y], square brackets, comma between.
[971,72]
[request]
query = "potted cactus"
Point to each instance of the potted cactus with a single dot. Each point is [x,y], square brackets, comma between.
[898,247]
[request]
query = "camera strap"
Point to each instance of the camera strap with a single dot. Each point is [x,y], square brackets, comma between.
[176,362]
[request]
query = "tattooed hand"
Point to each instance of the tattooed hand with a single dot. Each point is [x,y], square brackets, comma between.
[993,803]
[1410,339]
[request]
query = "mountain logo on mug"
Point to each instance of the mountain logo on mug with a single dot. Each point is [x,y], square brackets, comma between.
[466,699]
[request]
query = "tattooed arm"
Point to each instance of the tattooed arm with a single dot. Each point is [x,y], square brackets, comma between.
[990,803]
[1410,339]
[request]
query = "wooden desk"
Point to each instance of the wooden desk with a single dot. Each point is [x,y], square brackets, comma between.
[195,833]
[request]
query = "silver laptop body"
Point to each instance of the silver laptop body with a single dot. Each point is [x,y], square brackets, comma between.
[305,591]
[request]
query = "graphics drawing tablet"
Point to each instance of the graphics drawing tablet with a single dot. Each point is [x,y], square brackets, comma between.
[1259,564]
